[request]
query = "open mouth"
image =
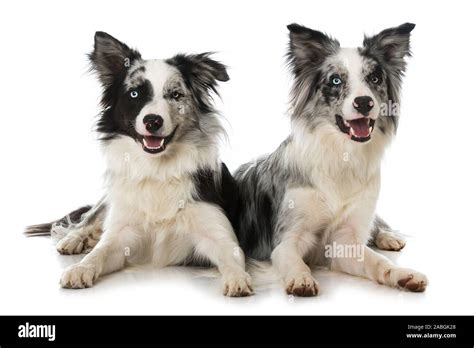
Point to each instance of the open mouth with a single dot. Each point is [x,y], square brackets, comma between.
[155,144]
[358,130]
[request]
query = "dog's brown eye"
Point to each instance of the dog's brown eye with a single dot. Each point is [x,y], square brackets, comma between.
[375,80]
[176,95]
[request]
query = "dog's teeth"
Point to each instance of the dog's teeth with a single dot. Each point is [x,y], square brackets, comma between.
[370,129]
[162,144]
[351,132]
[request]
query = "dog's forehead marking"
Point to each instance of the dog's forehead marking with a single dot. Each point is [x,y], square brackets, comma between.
[135,75]
[352,61]
[158,72]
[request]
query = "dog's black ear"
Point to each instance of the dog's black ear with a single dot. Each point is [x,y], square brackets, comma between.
[201,74]
[308,47]
[110,57]
[390,45]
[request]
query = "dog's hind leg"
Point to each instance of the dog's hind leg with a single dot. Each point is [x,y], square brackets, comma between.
[82,236]
[384,238]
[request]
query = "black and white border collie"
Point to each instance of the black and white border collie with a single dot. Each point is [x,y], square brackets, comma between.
[316,195]
[167,194]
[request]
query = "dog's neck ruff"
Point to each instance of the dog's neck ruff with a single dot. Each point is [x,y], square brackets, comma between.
[325,151]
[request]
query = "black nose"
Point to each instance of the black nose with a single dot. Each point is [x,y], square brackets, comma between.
[363,105]
[153,122]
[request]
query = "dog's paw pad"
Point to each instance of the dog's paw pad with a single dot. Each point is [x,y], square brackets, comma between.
[302,285]
[238,286]
[412,281]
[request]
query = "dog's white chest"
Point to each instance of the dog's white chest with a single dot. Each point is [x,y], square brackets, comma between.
[149,202]
[155,212]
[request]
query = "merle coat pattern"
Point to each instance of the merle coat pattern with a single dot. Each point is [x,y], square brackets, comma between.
[320,187]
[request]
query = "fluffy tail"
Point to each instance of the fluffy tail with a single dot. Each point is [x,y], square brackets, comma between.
[263,275]
[45,229]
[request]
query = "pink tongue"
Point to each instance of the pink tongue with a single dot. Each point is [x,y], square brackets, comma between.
[360,127]
[153,141]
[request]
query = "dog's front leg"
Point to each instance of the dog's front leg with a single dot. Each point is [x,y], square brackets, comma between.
[107,256]
[352,256]
[214,238]
[298,231]
[287,259]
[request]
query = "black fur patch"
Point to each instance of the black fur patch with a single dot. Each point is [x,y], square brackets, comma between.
[219,189]
[120,117]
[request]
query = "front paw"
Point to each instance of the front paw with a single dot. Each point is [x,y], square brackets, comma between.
[79,276]
[302,284]
[238,285]
[408,279]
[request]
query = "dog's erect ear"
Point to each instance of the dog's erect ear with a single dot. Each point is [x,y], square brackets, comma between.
[390,45]
[308,47]
[110,57]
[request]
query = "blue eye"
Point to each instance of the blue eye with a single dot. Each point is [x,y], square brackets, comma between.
[133,94]
[336,80]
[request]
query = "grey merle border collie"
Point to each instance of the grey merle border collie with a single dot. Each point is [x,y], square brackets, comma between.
[166,190]
[320,187]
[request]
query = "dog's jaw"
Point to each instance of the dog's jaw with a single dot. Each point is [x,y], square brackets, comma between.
[156,144]
[359,130]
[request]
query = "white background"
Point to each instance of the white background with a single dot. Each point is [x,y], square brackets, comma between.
[50,161]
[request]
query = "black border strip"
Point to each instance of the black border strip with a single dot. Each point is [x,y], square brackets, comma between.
[242,330]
